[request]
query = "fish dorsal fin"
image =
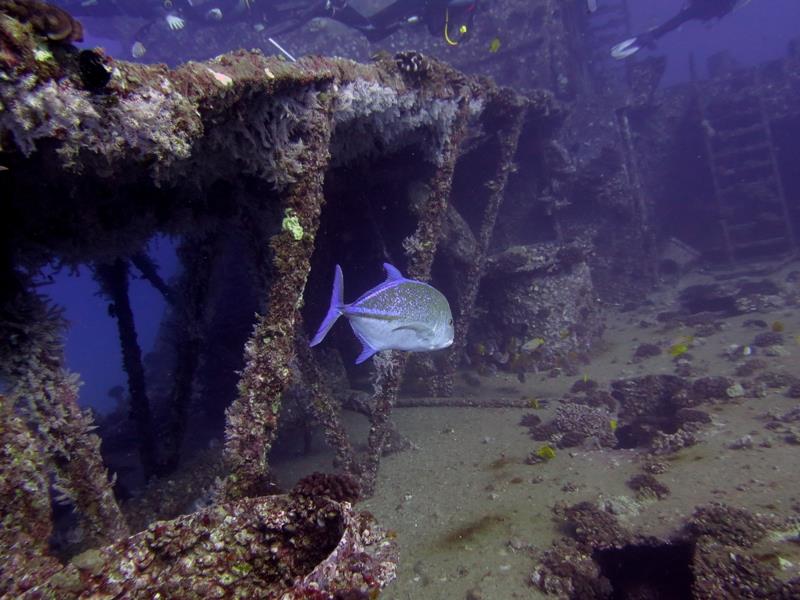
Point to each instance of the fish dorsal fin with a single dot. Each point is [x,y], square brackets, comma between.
[392,273]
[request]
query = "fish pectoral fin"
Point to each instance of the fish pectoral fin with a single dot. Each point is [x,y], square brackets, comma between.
[366,352]
[366,348]
[423,330]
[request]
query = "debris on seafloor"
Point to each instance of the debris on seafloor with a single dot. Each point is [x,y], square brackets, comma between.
[718,555]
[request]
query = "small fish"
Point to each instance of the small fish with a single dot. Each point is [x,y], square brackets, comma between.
[138,50]
[533,345]
[494,45]
[681,346]
[546,453]
[677,350]
[398,314]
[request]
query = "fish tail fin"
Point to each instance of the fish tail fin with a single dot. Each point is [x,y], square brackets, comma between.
[627,48]
[335,309]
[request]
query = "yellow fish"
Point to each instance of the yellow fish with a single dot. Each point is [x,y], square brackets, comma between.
[681,346]
[532,345]
[678,349]
[494,45]
[546,452]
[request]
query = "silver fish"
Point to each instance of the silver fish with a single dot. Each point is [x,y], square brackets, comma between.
[398,314]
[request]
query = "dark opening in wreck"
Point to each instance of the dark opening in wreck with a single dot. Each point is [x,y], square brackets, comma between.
[656,572]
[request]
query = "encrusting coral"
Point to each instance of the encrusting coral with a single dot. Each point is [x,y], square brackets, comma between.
[252,418]
[45,395]
[46,19]
[26,521]
[287,547]
[341,488]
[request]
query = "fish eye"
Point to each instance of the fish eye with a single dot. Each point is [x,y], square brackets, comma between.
[462,30]
[167,4]
[450,322]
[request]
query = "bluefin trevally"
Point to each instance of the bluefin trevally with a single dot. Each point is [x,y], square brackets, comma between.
[398,314]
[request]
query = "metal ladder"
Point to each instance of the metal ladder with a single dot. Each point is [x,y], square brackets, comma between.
[750,199]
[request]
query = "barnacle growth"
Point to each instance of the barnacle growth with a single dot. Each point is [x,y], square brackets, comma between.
[272,547]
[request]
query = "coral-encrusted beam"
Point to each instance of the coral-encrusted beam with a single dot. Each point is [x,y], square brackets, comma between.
[253,416]
[506,112]
[113,278]
[420,248]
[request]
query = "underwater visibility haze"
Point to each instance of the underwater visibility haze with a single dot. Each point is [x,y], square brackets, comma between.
[570,232]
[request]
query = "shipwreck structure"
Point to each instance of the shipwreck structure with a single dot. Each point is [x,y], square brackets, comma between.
[248,156]
[728,146]
[269,172]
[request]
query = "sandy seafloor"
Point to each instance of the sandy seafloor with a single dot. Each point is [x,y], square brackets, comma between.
[430,494]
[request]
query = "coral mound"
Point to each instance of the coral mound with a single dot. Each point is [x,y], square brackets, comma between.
[711,559]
